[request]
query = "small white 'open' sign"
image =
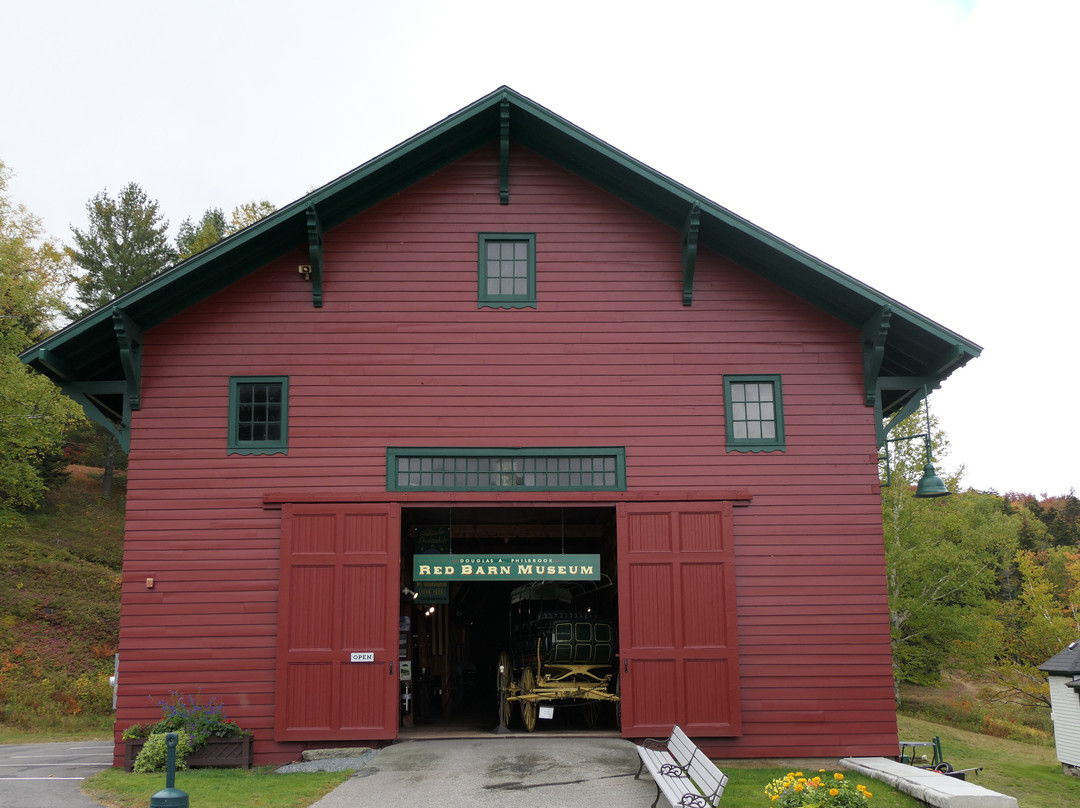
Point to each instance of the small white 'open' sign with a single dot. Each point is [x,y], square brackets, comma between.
[362,656]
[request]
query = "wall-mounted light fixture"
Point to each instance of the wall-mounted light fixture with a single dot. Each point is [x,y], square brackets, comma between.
[930,485]
[406,591]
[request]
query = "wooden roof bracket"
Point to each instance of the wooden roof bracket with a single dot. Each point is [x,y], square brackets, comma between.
[86,395]
[504,152]
[314,271]
[130,338]
[917,387]
[689,252]
[874,333]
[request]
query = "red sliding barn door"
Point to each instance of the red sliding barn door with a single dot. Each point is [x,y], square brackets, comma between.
[679,661]
[338,596]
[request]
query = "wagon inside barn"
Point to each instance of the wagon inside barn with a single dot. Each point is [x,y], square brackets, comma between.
[559,655]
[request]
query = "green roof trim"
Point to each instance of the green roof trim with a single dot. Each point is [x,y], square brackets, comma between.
[914,347]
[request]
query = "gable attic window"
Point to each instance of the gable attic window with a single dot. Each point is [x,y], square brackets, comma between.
[507,265]
[258,415]
[754,409]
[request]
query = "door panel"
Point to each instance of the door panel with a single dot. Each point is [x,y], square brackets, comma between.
[338,595]
[677,620]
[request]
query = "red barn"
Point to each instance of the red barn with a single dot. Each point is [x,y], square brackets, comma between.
[505,339]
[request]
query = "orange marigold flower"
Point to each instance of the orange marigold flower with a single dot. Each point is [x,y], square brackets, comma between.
[838,776]
[799,786]
[834,791]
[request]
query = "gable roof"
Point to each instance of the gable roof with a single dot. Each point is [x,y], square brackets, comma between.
[1065,662]
[96,358]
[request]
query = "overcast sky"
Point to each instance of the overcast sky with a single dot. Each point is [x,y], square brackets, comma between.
[927,147]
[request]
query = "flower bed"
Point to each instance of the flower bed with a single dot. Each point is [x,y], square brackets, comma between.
[208,737]
[223,753]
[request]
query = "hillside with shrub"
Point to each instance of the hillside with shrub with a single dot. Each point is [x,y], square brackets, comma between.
[60,607]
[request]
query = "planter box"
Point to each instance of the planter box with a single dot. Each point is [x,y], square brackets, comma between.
[218,753]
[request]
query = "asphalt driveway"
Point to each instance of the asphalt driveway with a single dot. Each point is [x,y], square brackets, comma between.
[47,775]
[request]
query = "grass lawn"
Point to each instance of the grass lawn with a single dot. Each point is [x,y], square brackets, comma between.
[87,731]
[1029,772]
[216,788]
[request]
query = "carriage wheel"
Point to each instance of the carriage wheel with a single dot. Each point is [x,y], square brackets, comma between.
[504,673]
[592,713]
[529,709]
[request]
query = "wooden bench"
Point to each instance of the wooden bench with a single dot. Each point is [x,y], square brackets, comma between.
[683,773]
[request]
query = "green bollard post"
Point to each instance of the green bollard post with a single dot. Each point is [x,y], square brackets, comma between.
[170,797]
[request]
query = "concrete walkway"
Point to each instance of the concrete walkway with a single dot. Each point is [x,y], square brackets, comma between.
[929,786]
[532,772]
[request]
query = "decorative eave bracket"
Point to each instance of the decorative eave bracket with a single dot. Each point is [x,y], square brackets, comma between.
[88,396]
[504,152]
[314,270]
[874,333]
[689,252]
[917,386]
[130,338]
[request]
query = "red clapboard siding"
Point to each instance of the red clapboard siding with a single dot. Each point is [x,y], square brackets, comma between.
[399,354]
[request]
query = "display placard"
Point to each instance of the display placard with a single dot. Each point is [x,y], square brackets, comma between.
[575,567]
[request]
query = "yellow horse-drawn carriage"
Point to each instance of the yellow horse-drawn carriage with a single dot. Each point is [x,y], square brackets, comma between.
[558,655]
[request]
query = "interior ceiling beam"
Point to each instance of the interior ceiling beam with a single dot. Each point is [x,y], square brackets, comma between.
[689,252]
[504,152]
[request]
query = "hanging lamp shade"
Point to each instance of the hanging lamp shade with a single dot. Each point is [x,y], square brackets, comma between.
[930,485]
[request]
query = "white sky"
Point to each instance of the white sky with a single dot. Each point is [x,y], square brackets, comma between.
[927,147]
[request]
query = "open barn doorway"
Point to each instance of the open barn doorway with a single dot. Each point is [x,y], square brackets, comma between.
[465,644]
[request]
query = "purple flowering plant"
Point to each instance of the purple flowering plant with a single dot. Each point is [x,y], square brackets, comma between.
[200,719]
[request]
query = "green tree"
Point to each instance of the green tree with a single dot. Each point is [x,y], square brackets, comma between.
[944,560]
[1041,621]
[33,413]
[249,213]
[193,238]
[124,245]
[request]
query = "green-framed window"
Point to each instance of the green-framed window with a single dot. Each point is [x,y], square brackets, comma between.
[561,469]
[258,415]
[754,409]
[507,263]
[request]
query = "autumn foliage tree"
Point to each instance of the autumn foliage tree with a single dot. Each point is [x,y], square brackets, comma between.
[194,237]
[944,559]
[33,413]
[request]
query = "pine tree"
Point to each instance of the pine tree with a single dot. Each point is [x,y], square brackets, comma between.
[124,245]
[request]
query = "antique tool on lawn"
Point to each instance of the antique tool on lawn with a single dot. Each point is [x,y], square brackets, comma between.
[914,753]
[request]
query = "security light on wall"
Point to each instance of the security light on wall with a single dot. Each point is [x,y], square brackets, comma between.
[930,485]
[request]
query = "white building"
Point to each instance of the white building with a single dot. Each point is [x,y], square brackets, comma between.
[1064,672]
